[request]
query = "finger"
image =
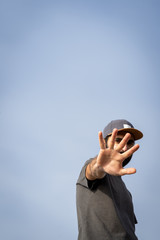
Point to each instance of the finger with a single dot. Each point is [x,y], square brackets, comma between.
[101,141]
[127,171]
[123,142]
[112,139]
[129,152]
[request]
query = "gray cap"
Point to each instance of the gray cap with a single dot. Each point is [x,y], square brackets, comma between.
[123,126]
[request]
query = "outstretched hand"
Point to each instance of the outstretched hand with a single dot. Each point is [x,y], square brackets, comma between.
[110,159]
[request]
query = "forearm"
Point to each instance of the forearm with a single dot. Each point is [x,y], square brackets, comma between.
[93,171]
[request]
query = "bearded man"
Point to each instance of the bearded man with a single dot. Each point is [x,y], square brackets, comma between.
[104,205]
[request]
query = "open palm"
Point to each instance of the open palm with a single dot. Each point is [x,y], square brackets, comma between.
[110,159]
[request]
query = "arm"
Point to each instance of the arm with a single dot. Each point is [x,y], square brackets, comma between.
[109,160]
[93,172]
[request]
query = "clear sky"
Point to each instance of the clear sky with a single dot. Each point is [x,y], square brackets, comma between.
[67,69]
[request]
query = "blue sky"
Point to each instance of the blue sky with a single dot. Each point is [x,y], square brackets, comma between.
[67,69]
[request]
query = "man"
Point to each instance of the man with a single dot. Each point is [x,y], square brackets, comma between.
[104,205]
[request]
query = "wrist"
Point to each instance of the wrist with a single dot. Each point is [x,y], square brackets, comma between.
[99,171]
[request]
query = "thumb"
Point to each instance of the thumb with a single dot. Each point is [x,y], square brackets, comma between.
[127,171]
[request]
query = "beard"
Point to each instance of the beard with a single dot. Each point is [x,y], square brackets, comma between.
[126,161]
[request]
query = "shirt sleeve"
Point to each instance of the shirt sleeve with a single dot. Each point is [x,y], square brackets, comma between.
[135,219]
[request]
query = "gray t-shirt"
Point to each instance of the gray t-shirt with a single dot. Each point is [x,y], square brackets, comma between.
[104,209]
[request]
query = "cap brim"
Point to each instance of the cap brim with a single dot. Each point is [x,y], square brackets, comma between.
[135,132]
